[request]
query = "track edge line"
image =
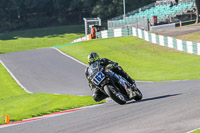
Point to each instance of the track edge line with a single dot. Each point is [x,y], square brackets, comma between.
[16,80]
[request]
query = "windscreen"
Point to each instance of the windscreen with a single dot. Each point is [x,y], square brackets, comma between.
[94,68]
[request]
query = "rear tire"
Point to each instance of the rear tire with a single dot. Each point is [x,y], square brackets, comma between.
[116,96]
[138,95]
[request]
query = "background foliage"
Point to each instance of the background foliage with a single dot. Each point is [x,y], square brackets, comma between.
[21,14]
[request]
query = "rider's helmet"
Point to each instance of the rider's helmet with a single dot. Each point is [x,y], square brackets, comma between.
[92,58]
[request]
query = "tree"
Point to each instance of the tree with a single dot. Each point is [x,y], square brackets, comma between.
[20,14]
[106,9]
[198,10]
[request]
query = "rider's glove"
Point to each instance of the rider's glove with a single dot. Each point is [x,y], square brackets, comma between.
[110,66]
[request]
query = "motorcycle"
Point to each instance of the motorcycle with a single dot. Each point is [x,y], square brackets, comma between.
[112,84]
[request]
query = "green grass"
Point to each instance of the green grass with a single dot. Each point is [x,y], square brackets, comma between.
[21,105]
[194,37]
[31,105]
[39,38]
[197,131]
[188,25]
[142,60]
[8,87]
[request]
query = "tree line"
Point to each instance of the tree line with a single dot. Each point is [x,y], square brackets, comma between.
[198,10]
[20,14]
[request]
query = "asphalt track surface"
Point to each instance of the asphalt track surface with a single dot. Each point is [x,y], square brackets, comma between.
[47,71]
[167,107]
[178,31]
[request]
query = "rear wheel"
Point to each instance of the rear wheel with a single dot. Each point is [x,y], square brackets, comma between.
[138,95]
[114,94]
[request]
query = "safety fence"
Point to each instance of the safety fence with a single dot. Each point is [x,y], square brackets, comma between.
[181,45]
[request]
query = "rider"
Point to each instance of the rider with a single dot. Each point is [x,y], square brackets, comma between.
[98,95]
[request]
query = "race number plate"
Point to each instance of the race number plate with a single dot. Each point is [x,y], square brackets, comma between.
[98,78]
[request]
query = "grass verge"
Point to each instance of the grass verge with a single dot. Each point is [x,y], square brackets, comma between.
[39,38]
[21,105]
[194,37]
[142,60]
[197,131]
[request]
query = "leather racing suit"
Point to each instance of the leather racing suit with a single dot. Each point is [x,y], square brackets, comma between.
[97,94]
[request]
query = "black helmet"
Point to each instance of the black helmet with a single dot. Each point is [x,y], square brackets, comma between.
[92,58]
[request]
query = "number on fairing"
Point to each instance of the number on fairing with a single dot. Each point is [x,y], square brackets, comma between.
[98,78]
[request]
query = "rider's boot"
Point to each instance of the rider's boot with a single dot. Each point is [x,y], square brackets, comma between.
[134,87]
[127,77]
[133,84]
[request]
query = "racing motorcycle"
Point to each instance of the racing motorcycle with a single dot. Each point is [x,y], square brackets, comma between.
[112,84]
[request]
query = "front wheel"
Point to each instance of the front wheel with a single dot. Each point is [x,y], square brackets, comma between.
[114,94]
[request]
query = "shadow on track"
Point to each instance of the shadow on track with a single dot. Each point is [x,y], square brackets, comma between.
[154,98]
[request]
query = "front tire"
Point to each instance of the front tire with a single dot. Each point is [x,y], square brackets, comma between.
[116,96]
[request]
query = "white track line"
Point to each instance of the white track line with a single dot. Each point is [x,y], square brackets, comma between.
[193,130]
[136,81]
[15,78]
[46,116]
[72,59]
[87,66]
[70,56]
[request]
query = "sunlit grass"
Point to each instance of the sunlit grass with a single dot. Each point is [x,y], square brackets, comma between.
[142,60]
[39,38]
[21,105]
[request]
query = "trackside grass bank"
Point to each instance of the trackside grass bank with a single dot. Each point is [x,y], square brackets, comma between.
[194,37]
[197,131]
[142,60]
[39,38]
[21,105]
